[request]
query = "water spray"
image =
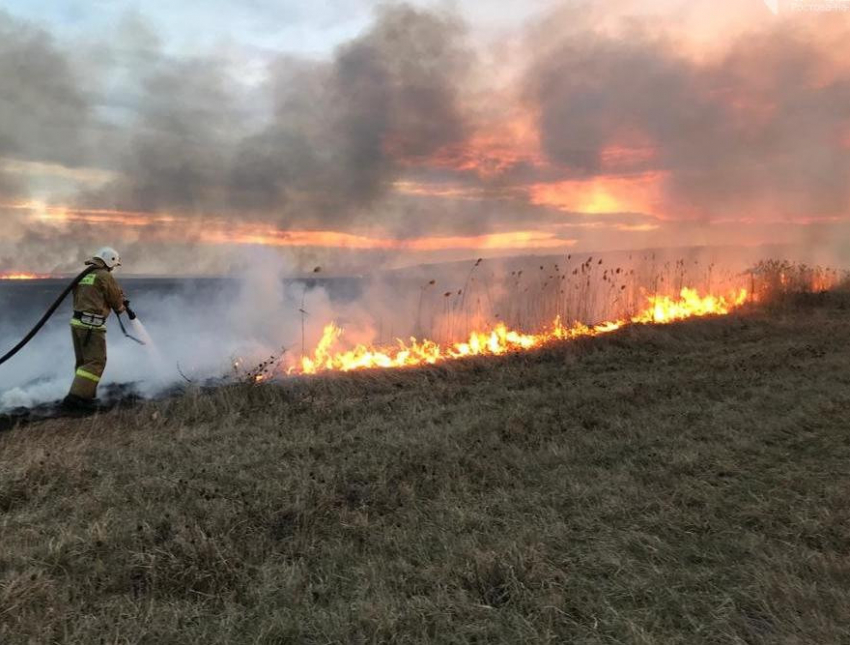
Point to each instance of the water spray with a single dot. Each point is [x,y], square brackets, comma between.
[142,337]
[132,316]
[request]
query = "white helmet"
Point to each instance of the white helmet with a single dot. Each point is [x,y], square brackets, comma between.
[109,256]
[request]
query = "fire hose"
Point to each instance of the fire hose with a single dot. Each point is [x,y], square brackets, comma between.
[26,339]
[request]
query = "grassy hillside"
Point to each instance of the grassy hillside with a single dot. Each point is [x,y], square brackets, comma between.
[684,484]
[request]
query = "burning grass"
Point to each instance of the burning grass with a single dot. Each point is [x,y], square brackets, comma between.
[675,484]
[486,315]
[501,340]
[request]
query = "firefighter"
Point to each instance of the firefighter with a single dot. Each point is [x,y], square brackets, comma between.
[95,296]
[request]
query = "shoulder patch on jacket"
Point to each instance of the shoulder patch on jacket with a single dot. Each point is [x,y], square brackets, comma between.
[89,279]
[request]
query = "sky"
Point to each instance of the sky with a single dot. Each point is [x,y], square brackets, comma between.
[358,135]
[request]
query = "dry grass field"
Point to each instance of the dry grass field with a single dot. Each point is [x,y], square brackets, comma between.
[679,484]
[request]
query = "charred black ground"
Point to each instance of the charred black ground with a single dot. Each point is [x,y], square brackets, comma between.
[678,484]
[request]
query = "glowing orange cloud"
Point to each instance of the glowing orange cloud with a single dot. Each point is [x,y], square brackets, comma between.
[267,236]
[63,214]
[170,227]
[609,194]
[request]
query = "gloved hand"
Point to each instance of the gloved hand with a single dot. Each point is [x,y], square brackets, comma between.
[130,313]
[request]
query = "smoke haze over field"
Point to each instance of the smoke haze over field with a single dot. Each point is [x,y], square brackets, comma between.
[199,329]
[410,133]
[260,140]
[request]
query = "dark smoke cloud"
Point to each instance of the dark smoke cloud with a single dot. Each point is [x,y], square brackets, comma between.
[43,111]
[760,130]
[335,139]
[756,132]
[179,152]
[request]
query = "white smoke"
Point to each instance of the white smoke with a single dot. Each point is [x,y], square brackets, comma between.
[252,317]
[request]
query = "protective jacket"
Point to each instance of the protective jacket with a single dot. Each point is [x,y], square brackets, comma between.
[94,297]
[97,293]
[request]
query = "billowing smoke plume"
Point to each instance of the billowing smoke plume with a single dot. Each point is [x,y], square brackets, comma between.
[603,130]
[333,143]
[760,131]
[43,111]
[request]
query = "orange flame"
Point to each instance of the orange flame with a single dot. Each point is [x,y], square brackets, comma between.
[500,340]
